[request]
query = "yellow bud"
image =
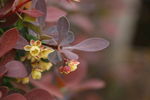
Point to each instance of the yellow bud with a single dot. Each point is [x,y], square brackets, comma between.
[25,80]
[45,65]
[36,74]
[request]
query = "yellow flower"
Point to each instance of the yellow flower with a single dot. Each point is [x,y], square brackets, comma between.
[44,53]
[33,48]
[36,74]
[73,64]
[25,80]
[45,65]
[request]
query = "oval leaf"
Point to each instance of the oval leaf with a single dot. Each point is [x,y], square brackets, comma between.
[21,42]
[41,6]
[38,94]
[33,13]
[68,39]
[63,28]
[70,55]
[90,45]
[14,96]
[8,40]
[55,57]
[16,69]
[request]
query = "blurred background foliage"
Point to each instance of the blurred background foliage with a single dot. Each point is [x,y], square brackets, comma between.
[125,65]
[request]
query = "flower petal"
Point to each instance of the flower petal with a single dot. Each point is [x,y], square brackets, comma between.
[27,48]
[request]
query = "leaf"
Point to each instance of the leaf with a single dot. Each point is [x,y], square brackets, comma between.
[33,27]
[51,31]
[21,42]
[91,84]
[45,37]
[14,96]
[3,70]
[33,13]
[8,40]
[90,45]
[70,54]
[63,27]
[38,94]
[41,6]
[68,39]
[53,14]
[55,57]
[45,83]
[6,8]
[3,91]
[16,69]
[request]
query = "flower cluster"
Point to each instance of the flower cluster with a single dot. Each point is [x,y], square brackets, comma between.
[70,66]
[36,53]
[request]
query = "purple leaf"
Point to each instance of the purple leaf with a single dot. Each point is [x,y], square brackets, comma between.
[55,57]
[41,6]
[52,31]
[16,69]
[68,39]
[14,96]
[69,54]
[90,45]
[38,94]
[21,42]
[63,28]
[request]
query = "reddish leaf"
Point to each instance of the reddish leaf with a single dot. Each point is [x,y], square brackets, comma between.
[9,20]
[45,83]
[15,96]
[53,14]
[3,91]
[16,69]
[6,8]
[90,84]
[21,43]
[3,70]
[7,57]
[8,41]
[33,13]
[38,94]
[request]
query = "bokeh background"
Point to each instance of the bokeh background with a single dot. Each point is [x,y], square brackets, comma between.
[124,66]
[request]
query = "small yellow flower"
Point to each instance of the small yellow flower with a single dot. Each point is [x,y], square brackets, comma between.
[73,64]
[33,48]
[44,53]
[25,80]
[36,74]
[45,65]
